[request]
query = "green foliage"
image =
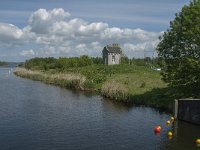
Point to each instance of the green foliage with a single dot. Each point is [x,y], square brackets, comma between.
[84,61]
[21,65]
[147,61]
[139,62]
[125,60]
[41,63]
[97,60]
[143,85]
[2,63]
[179,49]
[89,84]
[61,63]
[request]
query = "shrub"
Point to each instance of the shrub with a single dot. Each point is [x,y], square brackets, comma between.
[89,84]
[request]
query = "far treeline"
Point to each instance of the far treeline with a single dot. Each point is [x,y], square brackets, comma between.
[84,60]
[9,64]
[2,63]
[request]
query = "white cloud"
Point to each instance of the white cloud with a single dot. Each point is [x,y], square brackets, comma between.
[9,35]
[27,53]
[41,20]
[55,33]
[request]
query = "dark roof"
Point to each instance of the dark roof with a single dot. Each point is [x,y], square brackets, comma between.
[114,48]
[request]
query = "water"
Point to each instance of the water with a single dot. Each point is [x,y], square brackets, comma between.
[36,116]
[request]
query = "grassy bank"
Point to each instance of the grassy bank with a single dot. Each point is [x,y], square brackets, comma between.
[122,83]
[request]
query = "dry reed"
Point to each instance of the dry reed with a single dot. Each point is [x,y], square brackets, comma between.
[115,91]
[61,79]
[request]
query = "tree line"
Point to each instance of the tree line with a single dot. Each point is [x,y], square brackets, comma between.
[60,63]
[64,62]
[2,63]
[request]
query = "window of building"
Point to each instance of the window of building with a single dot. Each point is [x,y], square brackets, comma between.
[113,57]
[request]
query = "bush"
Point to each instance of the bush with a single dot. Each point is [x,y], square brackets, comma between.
[89,84]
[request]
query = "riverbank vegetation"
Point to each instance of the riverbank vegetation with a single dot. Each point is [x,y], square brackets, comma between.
[134,81]
[69,80]
[2,63]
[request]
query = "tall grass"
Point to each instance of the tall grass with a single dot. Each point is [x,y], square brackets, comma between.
[115,91]
[68,80]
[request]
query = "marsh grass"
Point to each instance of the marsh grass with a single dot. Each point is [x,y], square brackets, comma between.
[115,91]
[67,80]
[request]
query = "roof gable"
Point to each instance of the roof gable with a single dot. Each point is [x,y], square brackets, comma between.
[113,48]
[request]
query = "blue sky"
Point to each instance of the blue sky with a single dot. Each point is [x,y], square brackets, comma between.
[65,28]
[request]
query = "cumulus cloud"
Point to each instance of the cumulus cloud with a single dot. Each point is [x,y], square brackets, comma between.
[28,53]
[41,20]
[10,35]
[55,33]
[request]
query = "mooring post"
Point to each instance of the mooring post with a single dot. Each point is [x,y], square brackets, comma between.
[175,108]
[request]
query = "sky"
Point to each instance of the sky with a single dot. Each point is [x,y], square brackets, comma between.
[68,28]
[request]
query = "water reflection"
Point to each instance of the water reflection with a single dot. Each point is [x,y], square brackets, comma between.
[184,136]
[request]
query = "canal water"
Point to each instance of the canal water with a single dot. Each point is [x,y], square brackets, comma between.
[36,116]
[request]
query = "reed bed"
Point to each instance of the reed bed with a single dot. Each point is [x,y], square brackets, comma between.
[115,91]
[68,80]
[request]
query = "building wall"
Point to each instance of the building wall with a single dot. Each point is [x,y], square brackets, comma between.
[114,61]
[189,110]
[105,56]
[108,57]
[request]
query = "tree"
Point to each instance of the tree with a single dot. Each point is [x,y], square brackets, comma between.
[97,60]
[2,63]
[85,60]
[179,48]
[125,60]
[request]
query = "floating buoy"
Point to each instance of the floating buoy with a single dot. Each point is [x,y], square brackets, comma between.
[168,122]
[157,129]
[198,141]
[170,134]
[169,137]
[172,119]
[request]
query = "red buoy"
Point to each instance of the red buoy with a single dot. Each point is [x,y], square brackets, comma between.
[157,129]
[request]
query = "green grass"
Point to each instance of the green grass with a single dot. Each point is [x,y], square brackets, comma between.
[136,79]
[122,83]
[129,83]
